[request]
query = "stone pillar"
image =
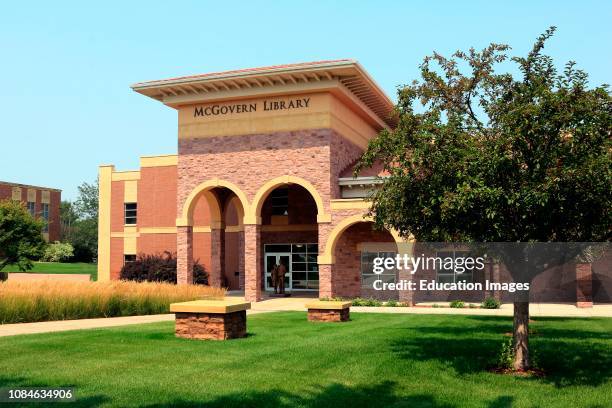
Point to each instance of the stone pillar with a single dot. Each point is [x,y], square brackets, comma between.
[241,260]
[325,281]
[184,254]
[584,285]
[252,263]
[215,275]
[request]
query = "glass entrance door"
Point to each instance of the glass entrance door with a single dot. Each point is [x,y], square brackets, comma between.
[275,259]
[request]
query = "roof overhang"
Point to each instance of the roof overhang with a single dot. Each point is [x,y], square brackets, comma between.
[346,79]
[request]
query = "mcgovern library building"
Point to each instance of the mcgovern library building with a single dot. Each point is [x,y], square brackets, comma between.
[263,174]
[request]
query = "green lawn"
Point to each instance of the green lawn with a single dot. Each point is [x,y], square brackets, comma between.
[59,267]
[374,360]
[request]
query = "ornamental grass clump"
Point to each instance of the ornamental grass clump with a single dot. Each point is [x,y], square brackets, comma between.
[45,300]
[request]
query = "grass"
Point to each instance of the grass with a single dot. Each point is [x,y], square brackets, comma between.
[34,301]
[60,267]
[374,360]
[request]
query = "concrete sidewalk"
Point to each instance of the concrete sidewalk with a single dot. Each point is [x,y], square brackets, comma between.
[535,309]
[297,304]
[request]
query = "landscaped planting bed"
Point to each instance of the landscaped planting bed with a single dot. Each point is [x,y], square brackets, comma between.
[35,301]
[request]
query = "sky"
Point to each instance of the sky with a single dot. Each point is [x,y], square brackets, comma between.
[66,67]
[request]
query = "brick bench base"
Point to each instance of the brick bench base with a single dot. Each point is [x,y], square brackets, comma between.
[328,315]
[211,326]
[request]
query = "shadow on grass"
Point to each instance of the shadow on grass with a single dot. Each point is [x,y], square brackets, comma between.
[23,382]
[334,395]
[567,356]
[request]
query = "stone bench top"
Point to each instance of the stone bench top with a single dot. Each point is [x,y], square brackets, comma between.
[329,305]
[210,306]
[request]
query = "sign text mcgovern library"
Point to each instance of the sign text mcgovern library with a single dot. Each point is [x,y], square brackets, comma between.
[267,105]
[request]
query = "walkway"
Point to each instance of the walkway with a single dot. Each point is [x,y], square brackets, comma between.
[297,304]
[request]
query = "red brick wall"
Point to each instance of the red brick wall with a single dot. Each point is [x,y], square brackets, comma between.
[250,160]
[232,259]
[156,243]
[6,193]
[201,213]
[344,153]
[116,257]
[157,197]
[346,272]
[201,249]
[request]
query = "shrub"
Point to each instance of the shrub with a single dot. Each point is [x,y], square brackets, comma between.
[372,302]
[58,252]
[159,267]
[505,358]
[473,306]
[366,302]
[35,301]
[491,303]
[392,303]
[458,304]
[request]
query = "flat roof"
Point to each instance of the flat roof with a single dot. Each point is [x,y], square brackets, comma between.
[345,73]
[8,183]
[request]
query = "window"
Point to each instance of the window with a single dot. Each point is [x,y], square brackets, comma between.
[130,213]
[32,208]
[368,277]
[304,267]
[446,273]
[128,258]
[44,213]
[280,201]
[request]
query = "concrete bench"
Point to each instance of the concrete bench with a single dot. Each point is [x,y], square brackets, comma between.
[328,311]
[210,319]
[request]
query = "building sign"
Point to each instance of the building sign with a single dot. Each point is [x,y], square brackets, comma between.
[265,105]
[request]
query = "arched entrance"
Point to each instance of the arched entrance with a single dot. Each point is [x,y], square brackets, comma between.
[346,261]
[289,235]
[210,231]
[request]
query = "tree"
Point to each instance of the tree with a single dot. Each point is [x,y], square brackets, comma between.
[80,222]
[21,238]
[494,157]
[87,203]
[68,218]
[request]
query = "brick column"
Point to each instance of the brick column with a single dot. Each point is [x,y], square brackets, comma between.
[184,254]
[584,285]
[215,276]
[241,259]
[325,281]
[252,263]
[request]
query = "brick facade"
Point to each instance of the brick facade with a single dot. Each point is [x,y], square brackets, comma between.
[211,326]
[38,196]
[329,315]
[211,202]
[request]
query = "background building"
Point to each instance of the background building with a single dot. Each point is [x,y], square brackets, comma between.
[41,202]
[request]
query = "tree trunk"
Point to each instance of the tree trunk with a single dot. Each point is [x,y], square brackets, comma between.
[521,336]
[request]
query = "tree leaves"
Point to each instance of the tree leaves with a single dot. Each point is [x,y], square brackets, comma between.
[492,158]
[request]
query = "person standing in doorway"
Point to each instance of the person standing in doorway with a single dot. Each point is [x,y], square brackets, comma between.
[280,277]
[274,277]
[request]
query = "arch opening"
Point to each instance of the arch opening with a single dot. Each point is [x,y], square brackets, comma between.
[289,235]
